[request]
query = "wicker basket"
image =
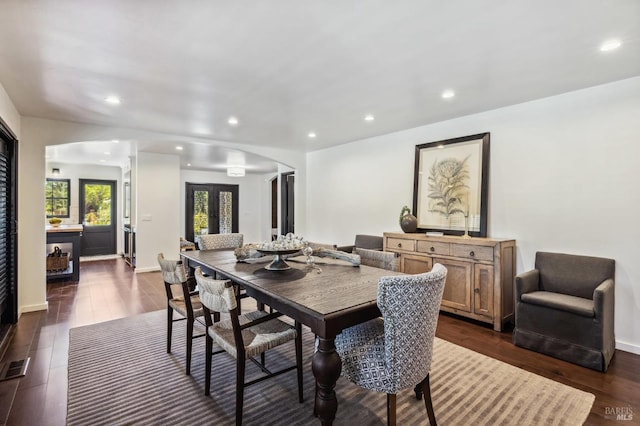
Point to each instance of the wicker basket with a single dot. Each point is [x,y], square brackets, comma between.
[58,263]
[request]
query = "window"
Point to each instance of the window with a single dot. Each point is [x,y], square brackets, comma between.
[57,197]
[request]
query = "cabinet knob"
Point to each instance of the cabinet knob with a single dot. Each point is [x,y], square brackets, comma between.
[432,248]
[476,290]
[472,253]
[399,245]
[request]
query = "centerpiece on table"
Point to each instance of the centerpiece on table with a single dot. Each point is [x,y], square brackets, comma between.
[283,245]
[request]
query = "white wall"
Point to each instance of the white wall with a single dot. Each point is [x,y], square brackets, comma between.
[254,192]
[32,295]
[158,209]
[8,112]
[564,175]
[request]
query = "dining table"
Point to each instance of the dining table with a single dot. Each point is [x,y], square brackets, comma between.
[327,295]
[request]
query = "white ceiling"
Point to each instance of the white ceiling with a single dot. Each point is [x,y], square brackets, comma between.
[288,67]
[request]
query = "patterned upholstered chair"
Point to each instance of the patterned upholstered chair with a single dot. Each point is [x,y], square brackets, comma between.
[378,259]
[394,353]
[185,302]
[243,336]
[220,241]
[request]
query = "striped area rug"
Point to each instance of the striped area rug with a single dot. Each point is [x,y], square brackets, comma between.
[120,373]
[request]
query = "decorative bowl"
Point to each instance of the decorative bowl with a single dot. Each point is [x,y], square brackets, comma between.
[278,263]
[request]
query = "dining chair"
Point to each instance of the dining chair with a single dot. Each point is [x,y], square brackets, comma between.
[243,336]
[185,302]
[378,259]
[394,352]
[220,241]
[224,241]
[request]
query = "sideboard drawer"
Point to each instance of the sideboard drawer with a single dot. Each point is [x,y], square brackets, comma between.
[434,247]
[401,244]
[473,252]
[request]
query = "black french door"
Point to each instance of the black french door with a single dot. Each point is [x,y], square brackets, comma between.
[211,208]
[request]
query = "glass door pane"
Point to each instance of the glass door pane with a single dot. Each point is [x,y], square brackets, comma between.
[226,212]
[97,204]
[200,212]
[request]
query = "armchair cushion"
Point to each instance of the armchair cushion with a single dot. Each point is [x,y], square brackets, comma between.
[564,302]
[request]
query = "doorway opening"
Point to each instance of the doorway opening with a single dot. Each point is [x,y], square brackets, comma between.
[287,194]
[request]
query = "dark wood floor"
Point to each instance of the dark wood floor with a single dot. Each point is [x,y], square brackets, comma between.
[110,290]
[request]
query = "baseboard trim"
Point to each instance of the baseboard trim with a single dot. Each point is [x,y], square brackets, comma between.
[33,308]
[627,347]
[150,269]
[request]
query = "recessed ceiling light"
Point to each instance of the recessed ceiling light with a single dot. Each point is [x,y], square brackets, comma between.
[369,117]
[609,45]
[107,153]
[103,161]
[312,135]
[115,141]
[233,121]
[188,164]
[447,94]
[179,148]
[113,100]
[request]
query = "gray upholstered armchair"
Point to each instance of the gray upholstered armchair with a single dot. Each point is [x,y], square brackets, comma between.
[369,242]
[565,308]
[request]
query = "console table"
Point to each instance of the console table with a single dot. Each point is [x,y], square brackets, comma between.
[67,237]
[480,274]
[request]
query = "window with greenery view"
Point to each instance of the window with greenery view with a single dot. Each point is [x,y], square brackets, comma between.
[57,197]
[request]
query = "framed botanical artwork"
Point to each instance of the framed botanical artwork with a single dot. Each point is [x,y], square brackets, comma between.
[451,181]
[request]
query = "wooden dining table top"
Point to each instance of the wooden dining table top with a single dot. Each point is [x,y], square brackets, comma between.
[327,300]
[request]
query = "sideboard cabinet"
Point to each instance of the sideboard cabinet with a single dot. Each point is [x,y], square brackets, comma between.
[480,272]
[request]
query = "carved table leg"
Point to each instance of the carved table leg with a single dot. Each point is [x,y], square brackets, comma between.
[326,366]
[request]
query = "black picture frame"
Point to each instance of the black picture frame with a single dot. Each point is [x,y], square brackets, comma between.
[451,182]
